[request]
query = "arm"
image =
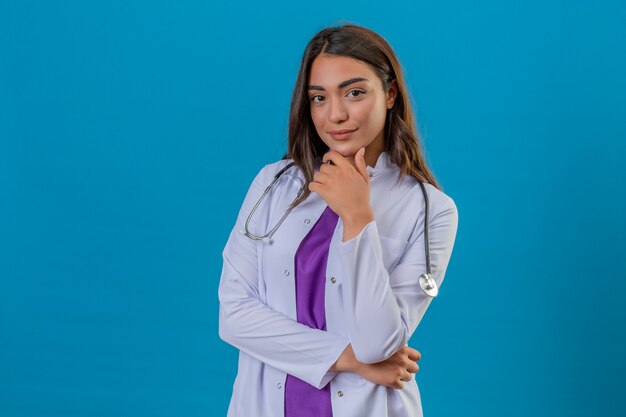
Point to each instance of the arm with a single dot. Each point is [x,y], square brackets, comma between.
[251,326]
[383,308]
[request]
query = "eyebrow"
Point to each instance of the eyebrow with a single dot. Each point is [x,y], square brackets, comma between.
[341,84]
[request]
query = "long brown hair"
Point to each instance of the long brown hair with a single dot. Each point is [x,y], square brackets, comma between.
[401,137]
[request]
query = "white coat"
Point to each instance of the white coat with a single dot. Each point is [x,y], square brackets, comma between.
[372,296]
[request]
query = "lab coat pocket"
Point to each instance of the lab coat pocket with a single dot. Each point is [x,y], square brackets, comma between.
[392,251]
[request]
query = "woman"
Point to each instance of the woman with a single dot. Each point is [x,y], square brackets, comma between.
[321,309]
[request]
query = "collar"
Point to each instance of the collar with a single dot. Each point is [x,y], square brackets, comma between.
[382,163]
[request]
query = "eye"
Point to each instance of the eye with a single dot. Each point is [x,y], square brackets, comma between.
[356,91]
[313,98]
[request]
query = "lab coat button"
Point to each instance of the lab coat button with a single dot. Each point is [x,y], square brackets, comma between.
[279,385]
[307,221]
[286,272]
[340,393]
[333,279]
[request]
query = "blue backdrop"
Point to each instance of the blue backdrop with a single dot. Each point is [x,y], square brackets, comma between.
[130,131]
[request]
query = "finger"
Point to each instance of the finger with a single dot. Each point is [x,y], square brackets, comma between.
[406,377]
[338,159]
[414,355]
[328,168]
[413,368]
[314,187]
[321,177]
[359,161]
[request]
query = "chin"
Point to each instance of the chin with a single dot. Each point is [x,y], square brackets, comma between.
[345,149]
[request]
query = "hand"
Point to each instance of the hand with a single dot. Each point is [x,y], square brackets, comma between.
[345,189]
[394,370]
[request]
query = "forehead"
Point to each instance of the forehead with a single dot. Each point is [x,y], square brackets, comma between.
[329,71]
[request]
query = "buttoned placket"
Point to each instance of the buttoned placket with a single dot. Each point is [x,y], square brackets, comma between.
[371,171]
[307,223]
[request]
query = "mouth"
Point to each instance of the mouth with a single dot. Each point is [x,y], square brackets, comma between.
[341,134]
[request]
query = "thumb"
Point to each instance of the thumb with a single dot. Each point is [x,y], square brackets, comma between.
[360,164]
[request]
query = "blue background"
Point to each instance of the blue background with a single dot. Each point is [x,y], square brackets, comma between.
[130,131]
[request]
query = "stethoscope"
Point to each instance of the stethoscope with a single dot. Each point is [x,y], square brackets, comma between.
[426,281]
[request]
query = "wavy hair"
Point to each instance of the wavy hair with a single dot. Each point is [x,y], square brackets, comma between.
[401,138]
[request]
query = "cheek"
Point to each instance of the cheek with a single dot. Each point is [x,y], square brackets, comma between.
[372,116]
[317,117]
[380,117]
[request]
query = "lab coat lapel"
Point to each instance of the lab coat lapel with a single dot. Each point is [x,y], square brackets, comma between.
[277,285]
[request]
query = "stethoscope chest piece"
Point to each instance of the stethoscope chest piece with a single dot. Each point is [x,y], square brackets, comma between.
[428,284]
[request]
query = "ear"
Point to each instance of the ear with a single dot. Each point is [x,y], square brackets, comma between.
[391,95]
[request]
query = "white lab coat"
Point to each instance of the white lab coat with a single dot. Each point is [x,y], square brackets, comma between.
[372,295]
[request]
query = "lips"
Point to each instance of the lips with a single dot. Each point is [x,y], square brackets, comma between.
[337,132]
[341,134]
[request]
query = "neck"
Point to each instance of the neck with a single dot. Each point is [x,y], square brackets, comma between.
[371,156]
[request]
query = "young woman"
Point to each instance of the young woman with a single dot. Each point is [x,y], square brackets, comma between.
[323,279]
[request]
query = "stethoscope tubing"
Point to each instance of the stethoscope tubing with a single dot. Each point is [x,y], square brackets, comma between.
[427,283]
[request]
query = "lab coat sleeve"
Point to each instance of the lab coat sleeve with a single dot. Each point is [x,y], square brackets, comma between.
[251,326]
[383,308]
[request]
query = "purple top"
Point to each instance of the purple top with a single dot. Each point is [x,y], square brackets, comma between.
[301,398]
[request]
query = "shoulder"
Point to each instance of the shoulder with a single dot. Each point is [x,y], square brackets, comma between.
[275,167]
[442,209]
[269,171]
[439,202]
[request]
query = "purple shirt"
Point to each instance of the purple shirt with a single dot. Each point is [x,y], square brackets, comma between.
[301,398]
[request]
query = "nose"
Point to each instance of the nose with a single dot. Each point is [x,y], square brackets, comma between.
[337,112]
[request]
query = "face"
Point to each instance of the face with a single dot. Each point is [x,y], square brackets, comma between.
[345,94]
